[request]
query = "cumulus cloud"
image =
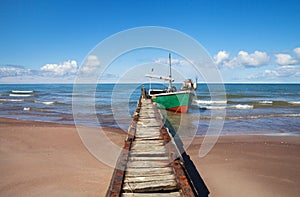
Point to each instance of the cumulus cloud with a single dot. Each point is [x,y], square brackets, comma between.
[221,57]
[285,59]
[66,68]
[297,52]
[92,62]
[257,58]
[243,59]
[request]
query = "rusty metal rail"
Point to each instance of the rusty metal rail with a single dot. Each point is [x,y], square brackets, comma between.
[150,164]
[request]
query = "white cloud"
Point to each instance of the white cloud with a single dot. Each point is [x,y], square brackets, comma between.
[91,64]
[277,74]
[283,71]
[257,58]
[221,57]
[270,73]
[297,52]
[67,68]
[12,70]
[180,62]
[243,59]
[285,59]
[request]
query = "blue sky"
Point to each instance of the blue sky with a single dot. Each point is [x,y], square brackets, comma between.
[250,41]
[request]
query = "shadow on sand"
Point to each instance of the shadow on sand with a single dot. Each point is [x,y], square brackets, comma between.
[191,171]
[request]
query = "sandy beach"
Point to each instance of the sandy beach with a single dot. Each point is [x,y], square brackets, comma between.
[46,159]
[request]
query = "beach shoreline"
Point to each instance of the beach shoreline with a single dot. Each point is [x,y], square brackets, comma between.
[49,159]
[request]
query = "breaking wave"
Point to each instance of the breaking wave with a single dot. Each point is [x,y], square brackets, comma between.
[251,116]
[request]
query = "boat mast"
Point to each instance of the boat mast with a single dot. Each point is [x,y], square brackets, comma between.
[170,76]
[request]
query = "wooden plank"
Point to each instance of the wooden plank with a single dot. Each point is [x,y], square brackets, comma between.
[148,158]
[139,127]
[171,194]
[148,154]
[149,178]
[147,148]
[147,164]
[148,171]
[149,123]
[148,129]
[154,142]
[149,138]
[151,186]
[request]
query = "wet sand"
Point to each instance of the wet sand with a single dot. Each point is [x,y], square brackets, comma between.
[46,159]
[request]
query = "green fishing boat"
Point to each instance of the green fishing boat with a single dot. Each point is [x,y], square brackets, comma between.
[170,98]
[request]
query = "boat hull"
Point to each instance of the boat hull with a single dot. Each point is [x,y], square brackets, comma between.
[174,101]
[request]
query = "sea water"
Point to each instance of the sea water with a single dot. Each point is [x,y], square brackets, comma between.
[265,109]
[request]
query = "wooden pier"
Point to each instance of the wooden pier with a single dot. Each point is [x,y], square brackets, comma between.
[150,163]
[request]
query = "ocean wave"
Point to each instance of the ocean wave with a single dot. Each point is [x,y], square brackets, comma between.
[213,107]
[250,116]
[22,91]
[209,102]
[283,103]
[26,108]
[221,107]
[265,102]
[12,100]
[20,95]
[294,102]
[48,102]
[240,96]
[243,106]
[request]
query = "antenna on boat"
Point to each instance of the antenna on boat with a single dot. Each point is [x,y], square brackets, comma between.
[170,76]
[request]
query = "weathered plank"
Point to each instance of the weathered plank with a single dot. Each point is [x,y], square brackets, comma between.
[149,178]
[146,164]
[149,123]
[154,142]
[141,132]
[148,154]
[151,186]
[149,138]
[148,171]
[147,148]
[141,129]
[170,194]
[148,158]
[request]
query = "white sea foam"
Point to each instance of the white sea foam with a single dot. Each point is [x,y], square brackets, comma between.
[262,116]
[210,102]
[20,95]
[266,102]
[294,102]
[48,102]
[45,102]
[240,106]
[213,107]
[12,100]
[22,91]
[26,108]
